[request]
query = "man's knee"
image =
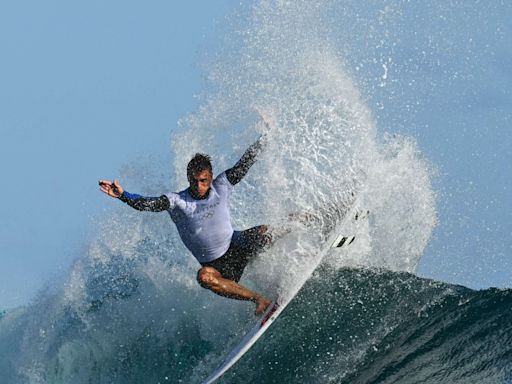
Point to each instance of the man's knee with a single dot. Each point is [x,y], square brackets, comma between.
[207,277]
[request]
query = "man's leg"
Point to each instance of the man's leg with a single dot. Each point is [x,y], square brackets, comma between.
[210,278]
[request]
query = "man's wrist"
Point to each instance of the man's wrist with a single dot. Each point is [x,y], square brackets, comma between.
[123,197]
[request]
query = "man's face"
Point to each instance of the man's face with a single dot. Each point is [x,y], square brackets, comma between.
[200,182]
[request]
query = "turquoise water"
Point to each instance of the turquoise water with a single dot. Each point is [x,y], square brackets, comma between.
[345,326]
[362,326]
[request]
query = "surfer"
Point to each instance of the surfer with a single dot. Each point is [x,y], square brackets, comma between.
[202,218]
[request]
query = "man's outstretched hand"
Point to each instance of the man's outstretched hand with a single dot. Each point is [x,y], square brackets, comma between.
[268,119]
[113,189]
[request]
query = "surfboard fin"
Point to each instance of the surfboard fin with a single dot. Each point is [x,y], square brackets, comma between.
[342,240]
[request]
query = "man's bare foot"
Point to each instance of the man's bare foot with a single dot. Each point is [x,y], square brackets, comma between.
[261,305]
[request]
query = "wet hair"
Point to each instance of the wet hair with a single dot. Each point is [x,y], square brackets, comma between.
[200,162]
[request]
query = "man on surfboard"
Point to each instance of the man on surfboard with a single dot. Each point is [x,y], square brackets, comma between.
[201,214]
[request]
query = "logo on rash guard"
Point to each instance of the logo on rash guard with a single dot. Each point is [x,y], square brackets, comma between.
[206,209]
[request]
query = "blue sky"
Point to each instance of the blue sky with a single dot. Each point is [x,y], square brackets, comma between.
[86,87]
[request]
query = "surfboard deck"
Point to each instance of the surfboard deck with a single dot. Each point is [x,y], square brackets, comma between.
[337,239]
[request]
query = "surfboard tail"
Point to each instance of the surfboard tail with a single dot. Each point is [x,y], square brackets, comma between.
[268,316]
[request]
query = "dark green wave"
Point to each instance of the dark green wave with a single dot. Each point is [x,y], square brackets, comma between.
[367,326]
[344,326]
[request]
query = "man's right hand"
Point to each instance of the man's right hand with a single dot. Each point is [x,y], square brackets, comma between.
[113,189]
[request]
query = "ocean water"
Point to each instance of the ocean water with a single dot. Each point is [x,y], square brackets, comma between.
[345,326]
[130,310]
[374,326]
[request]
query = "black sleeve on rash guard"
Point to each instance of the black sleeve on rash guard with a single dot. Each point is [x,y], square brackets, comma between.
[240,169]
[141,203]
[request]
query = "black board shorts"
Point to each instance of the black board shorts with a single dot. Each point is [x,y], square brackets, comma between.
[245,245]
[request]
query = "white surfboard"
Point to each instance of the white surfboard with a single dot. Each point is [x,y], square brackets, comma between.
[337,239]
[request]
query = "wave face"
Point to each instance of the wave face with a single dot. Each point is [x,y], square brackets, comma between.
[130,310]
[369,326]
[345,326]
